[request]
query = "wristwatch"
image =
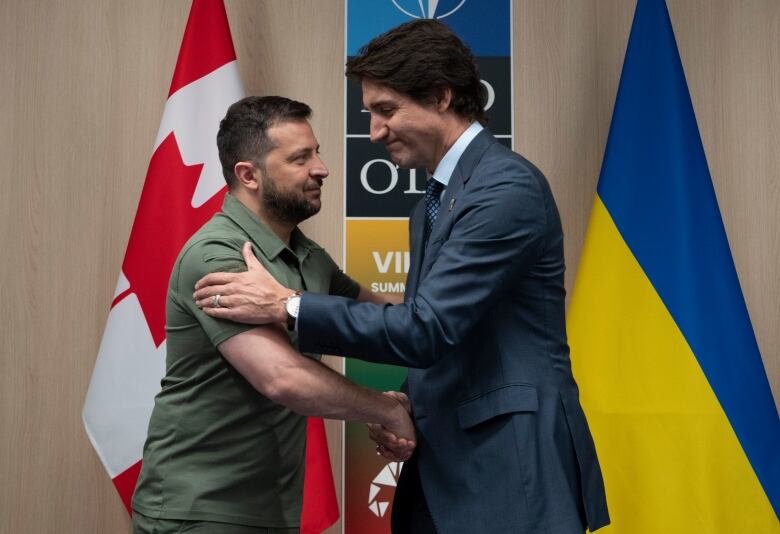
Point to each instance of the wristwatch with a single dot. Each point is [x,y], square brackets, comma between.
[291,305]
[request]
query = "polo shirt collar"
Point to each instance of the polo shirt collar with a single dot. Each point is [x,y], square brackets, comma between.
[262,236]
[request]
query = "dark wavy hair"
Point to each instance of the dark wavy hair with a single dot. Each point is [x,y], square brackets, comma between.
[243,133]
[420,59]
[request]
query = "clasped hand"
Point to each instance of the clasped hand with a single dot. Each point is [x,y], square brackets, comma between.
[388,444]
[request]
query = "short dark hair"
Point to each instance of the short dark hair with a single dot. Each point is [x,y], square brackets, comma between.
[243,133]
[419,59]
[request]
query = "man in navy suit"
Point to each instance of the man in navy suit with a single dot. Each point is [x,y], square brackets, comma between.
[503,443]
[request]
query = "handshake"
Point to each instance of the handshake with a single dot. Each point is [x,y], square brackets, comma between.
[396,441]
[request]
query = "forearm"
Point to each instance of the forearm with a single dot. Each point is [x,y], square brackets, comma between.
[310,388]
[266,359]
[378,298]
[410,335]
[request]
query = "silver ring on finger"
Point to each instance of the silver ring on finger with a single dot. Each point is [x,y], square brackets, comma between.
[216,301]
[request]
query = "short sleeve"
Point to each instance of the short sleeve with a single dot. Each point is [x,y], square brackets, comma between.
[201,258]
[340,284]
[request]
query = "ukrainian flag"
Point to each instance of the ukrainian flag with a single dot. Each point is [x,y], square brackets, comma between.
[671,377]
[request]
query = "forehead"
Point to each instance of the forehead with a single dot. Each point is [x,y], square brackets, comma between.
[375,93]
[292,135]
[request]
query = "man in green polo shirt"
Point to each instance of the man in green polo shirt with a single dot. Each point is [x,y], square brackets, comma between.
[226,442]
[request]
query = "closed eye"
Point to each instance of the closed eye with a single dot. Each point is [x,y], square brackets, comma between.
[384,109]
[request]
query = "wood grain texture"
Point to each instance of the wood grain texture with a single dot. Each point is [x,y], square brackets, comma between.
[82,90]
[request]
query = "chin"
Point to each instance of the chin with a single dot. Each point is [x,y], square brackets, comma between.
[403,162]
[409,161]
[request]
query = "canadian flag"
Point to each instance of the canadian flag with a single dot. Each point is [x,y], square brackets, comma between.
[184,187]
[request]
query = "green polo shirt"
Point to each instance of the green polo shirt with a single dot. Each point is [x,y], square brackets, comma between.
[217,449]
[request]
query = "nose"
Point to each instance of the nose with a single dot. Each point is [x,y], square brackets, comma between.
[319,170]
[378,130]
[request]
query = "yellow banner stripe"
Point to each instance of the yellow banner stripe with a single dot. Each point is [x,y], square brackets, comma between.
[670,458]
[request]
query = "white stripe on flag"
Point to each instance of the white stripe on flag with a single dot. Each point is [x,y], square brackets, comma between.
[125,380]
[196,133]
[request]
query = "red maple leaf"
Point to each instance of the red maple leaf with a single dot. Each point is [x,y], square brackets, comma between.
[164,222]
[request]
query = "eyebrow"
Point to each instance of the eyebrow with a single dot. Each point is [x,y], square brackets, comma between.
[302,152]
[381,103]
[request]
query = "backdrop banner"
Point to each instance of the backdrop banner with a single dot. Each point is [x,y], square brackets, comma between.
[379,199]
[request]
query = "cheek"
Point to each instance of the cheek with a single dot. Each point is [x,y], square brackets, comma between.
[414,133]
[295,177]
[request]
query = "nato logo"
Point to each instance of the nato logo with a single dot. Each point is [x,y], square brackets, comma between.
[436,9]
[484,25]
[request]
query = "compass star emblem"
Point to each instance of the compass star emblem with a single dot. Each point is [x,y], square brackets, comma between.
[418,10]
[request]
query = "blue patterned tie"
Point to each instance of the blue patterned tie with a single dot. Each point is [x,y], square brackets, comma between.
[432,202]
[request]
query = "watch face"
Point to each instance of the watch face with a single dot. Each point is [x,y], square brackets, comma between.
[293,304]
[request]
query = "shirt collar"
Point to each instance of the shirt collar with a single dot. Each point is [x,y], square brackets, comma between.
[262,236]
[447,164]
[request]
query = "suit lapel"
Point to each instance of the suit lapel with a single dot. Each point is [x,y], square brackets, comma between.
[448,202]
[463,170]
[416,223]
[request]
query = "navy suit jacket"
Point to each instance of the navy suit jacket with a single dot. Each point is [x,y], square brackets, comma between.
[503,444]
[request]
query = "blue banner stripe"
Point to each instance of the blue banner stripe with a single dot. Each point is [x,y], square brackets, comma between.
[656,186]
[481,24]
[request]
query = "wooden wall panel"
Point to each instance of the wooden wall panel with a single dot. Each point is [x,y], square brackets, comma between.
[82,90]
[79,82]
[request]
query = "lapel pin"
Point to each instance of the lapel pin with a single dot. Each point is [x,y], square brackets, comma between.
[452,204]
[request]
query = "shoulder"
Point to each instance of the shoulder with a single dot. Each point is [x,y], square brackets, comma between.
[216,246]
[499,159]
[500,169]
[219,236]
[487,162]
[512,189]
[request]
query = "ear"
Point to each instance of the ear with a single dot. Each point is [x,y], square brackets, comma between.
[444,99]
[245,174]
